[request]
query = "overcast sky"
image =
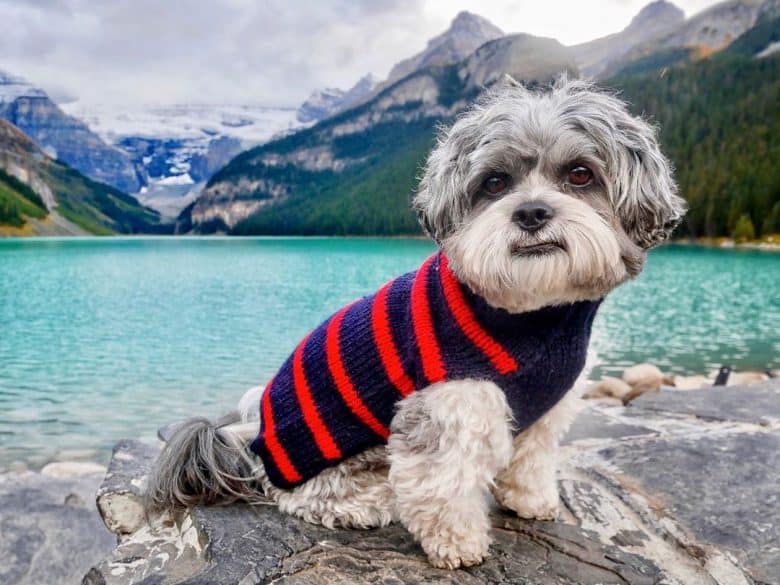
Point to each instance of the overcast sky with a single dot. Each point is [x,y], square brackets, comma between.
[271,52]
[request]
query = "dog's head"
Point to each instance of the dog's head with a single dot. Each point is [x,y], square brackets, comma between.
[549,197]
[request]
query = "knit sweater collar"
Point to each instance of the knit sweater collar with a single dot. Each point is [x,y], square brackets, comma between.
[498,320]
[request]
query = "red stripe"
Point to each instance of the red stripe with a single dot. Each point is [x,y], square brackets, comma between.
[275,449]
[311,415]
[343,383]
[383,338]
[464,316]
[433,366]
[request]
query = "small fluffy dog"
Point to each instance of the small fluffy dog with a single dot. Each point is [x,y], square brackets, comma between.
[453,381]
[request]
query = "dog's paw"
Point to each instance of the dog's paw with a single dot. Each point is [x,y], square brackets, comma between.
[540,504]
[467,551]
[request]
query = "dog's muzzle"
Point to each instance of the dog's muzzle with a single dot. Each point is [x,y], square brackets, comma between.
[533,215]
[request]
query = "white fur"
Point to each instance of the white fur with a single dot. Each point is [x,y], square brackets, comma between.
[451,443]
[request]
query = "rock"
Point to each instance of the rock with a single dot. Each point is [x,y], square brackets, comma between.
[608,387]
[757,404]
[675,488]
[691,382]
[63,469]
[120,496]
[50,531]
[643,378]
[742,378]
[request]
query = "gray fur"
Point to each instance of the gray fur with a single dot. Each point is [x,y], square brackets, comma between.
[512,122]
[201,466]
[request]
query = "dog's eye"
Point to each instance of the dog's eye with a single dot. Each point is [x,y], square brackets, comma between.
[495,183]
[580,175]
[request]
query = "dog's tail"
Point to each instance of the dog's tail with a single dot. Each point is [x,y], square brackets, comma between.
[204,463]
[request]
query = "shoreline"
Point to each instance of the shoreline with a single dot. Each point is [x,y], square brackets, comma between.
[772,244]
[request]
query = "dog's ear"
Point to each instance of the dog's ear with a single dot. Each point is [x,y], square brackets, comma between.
[442,199]
[645,195]
[641,184]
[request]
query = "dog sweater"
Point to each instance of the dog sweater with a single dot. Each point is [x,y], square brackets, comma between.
[335,395]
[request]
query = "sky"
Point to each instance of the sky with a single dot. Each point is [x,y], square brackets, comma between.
[267,52]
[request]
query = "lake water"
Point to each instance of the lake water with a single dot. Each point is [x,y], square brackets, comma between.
[108,338]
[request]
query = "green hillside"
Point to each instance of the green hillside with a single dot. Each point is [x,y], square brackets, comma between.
[720,125]
[371,198]
[99,208]
[18,201]
[94,207]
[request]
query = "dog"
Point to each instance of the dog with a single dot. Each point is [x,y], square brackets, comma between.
[456,380]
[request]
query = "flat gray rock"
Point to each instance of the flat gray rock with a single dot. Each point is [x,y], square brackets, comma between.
[757,403]
[50,531]
[680,488]
[725,488]
[593,424]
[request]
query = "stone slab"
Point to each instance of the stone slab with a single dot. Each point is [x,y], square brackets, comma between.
[50,531]
[593,423]
[724,488]
[756,403]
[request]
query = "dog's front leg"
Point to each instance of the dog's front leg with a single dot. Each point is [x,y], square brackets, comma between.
[528,485]
[447,443]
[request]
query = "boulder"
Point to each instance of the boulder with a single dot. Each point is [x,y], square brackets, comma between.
[608,387]
[742,378]
[643,378]
[120,496]
[692,382]
[673,488]
[63,469]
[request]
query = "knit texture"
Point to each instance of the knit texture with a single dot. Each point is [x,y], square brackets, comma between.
[335,396]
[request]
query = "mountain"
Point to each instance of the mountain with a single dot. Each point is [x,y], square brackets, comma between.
[352,173]
[653,21]
[42,196]
[179,146]
[324,103]
[64,137]
[705,33]
[466,33]
[720,124]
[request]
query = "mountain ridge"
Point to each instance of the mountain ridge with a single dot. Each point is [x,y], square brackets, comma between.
[31,110]
[43,196]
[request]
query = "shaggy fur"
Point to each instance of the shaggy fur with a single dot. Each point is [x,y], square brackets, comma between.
[451,443]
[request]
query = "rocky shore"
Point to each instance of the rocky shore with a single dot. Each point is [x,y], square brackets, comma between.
[658,485]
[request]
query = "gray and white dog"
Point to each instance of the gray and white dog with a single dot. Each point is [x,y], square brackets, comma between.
[538,199]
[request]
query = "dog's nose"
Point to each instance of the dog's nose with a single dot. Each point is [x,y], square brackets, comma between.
[533,215]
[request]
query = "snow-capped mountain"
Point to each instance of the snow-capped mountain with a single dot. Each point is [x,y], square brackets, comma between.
[64,137]
[180,146]
[323,103]
[13,87]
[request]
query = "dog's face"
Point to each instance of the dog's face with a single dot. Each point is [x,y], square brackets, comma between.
[541,199]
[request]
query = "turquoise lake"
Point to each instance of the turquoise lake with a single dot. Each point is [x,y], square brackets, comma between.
[102,339]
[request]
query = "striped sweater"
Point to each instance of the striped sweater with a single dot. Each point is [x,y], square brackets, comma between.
[335,395]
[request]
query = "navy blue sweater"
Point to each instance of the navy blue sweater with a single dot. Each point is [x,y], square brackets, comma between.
[336,394]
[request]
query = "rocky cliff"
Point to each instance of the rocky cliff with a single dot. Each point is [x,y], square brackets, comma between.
[65,202]
[703,34]
[653,21]
[64,137]
[324,103]
[467,33]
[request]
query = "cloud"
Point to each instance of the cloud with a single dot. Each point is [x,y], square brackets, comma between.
[271,52]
